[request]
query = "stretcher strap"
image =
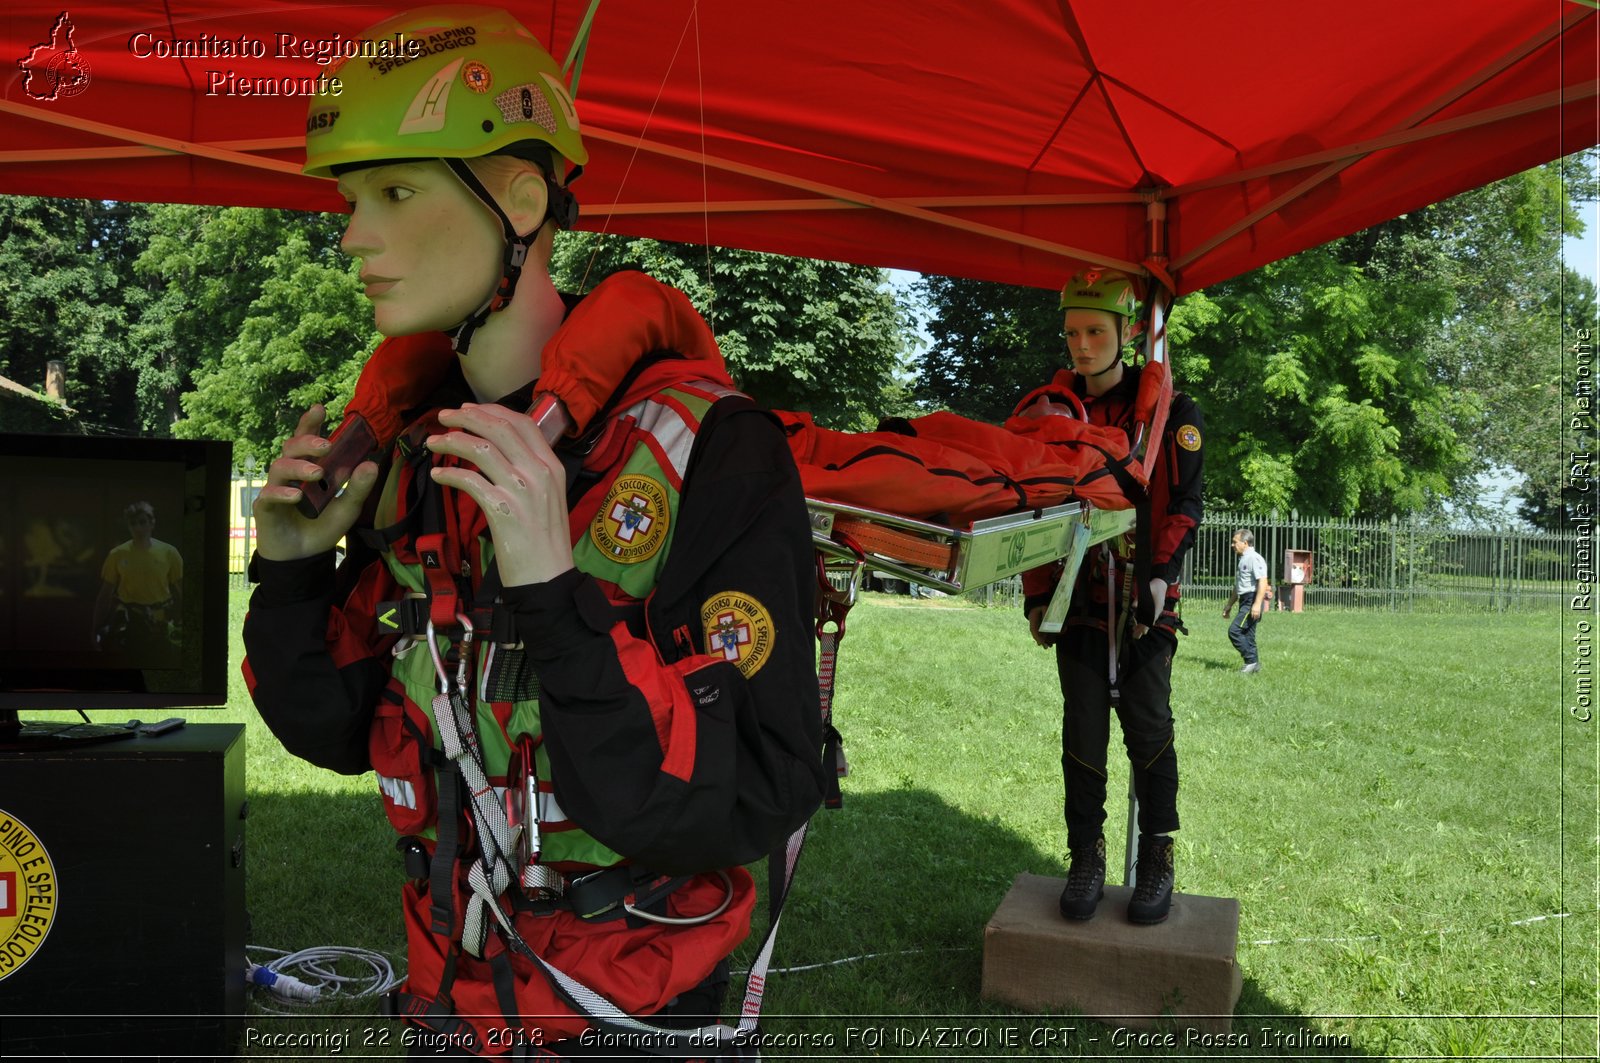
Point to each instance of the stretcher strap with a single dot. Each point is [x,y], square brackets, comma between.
[903,546]
[778,889]
[833,760]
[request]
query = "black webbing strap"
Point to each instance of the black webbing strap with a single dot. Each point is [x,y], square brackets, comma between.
[832,607]
[1143,545]
[381,539]
[505,988]
[437,1015]
[446,850]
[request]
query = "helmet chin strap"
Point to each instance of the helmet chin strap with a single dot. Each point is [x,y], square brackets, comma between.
[1114,363]
[513,257]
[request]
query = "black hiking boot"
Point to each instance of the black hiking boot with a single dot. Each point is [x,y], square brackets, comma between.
[1152,888]
[1086,880]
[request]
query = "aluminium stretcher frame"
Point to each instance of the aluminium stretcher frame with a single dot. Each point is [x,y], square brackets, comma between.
[956,559]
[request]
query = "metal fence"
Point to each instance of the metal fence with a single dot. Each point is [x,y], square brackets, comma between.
[1398,565]
[1395,564]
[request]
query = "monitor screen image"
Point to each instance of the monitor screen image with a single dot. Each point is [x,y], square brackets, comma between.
[113,572]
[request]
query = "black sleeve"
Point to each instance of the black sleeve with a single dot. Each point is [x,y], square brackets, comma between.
[311,677]
[659,747]
[1185,472]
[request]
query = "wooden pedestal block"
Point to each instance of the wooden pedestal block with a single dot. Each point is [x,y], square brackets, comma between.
[1184,969]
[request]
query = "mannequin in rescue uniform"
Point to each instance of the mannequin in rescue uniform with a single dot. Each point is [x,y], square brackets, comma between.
[645,694]
[1099,308]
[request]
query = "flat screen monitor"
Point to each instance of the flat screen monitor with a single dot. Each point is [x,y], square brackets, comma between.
[113,574]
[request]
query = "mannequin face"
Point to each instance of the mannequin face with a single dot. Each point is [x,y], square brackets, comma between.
[1092,339]
[430,252]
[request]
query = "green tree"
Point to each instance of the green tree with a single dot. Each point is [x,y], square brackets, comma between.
[216,277]
[991,342]
[798,334]
[300,338]
[66,294]
[1520,307]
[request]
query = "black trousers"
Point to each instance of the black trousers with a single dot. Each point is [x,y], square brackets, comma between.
[1144,685]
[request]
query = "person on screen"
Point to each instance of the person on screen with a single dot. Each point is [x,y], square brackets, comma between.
[141,588]
[1101,626]
[585,677]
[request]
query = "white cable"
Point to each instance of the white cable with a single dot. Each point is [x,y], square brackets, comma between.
[857,959]
[1374,937]
[311,976]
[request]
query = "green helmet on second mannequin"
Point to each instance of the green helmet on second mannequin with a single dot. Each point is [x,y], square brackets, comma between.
[480,83]
[1100,289]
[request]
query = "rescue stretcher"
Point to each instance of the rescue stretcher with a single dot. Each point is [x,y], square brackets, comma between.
[850,539]
[982,546]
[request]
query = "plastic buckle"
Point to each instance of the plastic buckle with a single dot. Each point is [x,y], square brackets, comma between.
[593,895]
[417,862]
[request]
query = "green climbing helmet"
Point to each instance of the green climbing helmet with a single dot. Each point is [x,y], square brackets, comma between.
[479,83]
[1100,289]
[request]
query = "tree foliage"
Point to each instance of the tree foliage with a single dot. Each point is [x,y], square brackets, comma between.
[208,270]
[66,294]
[798,334]
[991,342]
[301,340]
[1376,375]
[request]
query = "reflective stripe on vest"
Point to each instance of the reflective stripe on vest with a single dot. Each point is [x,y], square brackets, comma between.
[398,791]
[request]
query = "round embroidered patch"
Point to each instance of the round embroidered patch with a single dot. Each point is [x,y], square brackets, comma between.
[476,77]
[28,894]
[632,522]
[1189,437]
[739,630]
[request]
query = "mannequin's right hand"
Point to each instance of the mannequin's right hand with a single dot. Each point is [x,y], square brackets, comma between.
[1042,638]
[283,533]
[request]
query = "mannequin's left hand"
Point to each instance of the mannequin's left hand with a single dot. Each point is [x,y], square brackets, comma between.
[1158,594]
[517,481]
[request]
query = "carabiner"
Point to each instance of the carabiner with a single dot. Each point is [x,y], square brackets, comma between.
[438,661]
[466,648]
[834,603]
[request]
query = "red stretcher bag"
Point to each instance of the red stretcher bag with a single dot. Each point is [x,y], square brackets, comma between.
[951,470]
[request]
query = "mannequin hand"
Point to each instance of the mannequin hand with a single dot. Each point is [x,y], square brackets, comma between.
[518,482]
[1158,595]
[1041,638]
[283,533]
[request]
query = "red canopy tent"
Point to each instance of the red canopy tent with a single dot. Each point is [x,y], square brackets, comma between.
[1002,140]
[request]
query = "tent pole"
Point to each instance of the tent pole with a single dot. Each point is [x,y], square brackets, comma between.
[1159,298]
[166,144]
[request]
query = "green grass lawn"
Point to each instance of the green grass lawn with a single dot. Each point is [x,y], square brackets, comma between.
[1385,800]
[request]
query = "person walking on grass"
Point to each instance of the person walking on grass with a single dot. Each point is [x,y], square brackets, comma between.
[1102,625]
[584,675]
[1250,593]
